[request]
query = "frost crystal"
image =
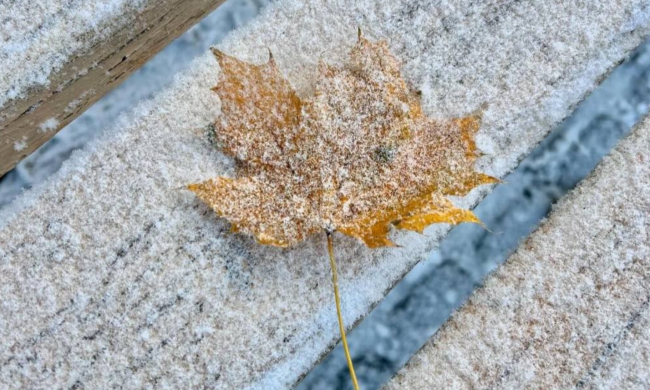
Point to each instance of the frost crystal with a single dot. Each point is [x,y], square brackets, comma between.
[20,145]
[48,125]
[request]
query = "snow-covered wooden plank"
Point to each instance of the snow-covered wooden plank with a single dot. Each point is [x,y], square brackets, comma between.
[570,308]
[59,57]
[116,276]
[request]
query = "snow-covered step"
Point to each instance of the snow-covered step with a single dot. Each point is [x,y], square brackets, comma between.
[571,307]
[58,57]
[111,274]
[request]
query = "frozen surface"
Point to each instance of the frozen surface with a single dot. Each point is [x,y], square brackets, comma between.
[38,37]
[410,314]
[116,276]
[570,308]
[142,84]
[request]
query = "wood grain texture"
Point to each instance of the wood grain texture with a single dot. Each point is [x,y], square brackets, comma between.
[91,74]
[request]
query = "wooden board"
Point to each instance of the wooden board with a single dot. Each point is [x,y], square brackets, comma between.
[89,75]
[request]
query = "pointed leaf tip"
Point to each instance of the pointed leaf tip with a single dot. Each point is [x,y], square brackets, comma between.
[271,60]
[217,53]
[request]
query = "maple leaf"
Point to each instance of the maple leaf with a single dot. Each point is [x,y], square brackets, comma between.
[358,157]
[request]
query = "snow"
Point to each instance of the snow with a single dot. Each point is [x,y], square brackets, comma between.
[73,105]
[570,307]
[38,38]
[48,125]
[20,145]
[113,224]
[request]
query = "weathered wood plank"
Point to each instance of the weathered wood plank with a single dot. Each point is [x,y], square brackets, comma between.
[571,308]
[28,122]
[115,276]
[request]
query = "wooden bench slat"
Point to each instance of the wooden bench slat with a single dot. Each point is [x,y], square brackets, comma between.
[107,56]
[114,275]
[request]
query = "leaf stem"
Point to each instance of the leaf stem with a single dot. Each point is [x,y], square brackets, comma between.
[330,250]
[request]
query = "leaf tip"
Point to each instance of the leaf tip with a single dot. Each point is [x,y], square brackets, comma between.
[271,61]
[217,53]
[194,187]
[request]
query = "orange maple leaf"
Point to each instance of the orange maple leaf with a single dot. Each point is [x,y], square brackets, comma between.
[357,157]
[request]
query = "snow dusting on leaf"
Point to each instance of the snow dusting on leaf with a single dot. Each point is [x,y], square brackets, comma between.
[357,157]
